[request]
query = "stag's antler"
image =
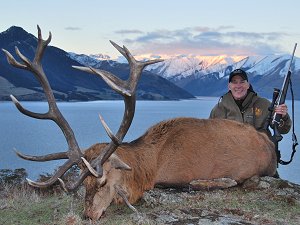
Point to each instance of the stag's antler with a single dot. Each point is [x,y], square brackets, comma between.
[128,90]
[74,154]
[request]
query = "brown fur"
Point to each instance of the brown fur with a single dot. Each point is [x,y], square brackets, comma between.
[178,151]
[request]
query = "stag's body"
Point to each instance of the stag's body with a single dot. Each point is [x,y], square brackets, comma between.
[175,152]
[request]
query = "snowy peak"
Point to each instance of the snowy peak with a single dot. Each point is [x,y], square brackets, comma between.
[84,59]
[100,56]
[182,67]
[93,60]
[266,65]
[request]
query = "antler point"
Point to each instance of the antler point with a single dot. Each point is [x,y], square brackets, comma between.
[14,99]
[31,182]
[62,183]
[91,169]
[17,152]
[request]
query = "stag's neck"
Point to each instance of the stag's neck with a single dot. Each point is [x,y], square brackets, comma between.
[143,162]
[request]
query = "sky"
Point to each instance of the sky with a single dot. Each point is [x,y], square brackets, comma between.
[161,27]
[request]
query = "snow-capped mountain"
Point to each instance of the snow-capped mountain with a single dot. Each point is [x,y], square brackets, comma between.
[94,60]
[181,67]
[208,75]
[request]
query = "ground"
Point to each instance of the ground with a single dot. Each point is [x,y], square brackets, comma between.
[262,201]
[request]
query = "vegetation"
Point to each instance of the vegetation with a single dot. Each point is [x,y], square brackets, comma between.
[264,201]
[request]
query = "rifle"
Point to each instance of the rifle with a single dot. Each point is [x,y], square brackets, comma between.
[279,97]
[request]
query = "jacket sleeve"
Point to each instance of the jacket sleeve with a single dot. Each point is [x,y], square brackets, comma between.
[285,124]
[218,112]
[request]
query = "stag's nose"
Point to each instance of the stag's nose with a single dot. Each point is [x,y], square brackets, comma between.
[93,214]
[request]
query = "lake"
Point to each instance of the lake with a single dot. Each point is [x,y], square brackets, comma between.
[38,137]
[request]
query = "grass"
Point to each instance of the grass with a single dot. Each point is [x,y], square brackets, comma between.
[277,205]
[261,205]
[24,205]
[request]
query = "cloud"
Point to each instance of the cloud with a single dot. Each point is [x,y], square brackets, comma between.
[207,29]
[129,32]
[72,28]
[223,40]
[159,36]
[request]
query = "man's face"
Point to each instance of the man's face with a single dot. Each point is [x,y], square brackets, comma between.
[238,87]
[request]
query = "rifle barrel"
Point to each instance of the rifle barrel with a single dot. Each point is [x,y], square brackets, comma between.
[282,95]
[293,56]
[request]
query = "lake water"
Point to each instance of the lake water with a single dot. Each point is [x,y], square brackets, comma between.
[38,137]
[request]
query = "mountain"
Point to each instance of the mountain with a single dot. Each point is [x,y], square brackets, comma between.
[208,75]
[69,84]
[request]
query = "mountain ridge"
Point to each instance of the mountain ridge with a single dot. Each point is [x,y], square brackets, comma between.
[208,75]
[69,84]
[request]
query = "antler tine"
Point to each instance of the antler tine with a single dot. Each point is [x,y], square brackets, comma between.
[74,153]
[61,171]
[27,112]
[153,61]
[114,82]
[42,44]
[136,67]
[109,132]
[24,59]
[11,60]
[120,49]
[111,80]
[126,53]
[83,68]
[49,157]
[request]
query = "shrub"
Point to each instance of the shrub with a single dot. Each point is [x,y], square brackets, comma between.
[12,177]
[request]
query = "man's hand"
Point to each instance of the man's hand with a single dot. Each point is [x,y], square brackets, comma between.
[281,109]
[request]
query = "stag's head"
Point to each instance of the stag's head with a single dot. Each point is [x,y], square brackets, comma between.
[101,172]
[100,192]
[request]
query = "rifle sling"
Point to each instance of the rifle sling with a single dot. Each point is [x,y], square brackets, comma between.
[294,137]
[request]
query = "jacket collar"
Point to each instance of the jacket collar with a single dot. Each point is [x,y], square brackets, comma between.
[228,99]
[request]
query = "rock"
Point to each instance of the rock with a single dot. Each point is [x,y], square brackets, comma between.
[212,184]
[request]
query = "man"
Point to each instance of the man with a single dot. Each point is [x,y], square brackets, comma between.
[242,104]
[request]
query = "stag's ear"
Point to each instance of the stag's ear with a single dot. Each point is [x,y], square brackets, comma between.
[117,163]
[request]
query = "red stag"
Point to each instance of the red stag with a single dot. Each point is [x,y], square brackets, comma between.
[180,152]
